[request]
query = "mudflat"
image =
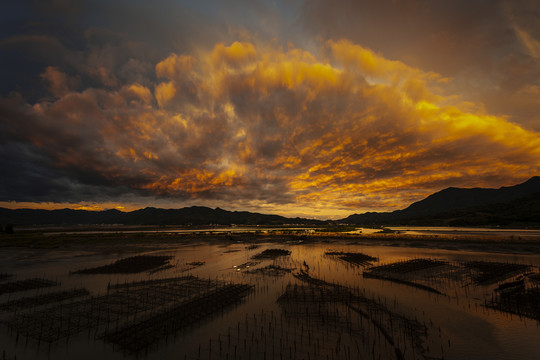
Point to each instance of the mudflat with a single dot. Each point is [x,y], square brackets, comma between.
[268,294]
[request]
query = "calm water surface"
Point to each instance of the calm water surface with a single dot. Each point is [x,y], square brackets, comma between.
[458,325]
[411,230]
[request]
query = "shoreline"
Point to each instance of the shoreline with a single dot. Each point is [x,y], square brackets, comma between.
[142,241]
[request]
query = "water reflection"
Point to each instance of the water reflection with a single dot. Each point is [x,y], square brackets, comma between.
[407,230]
[216,301]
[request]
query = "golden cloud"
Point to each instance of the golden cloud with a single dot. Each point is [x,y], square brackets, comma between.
[343,128]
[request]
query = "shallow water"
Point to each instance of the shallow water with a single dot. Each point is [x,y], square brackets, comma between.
[457,324]
[409,230]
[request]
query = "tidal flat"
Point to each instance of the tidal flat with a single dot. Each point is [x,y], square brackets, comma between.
[281,295]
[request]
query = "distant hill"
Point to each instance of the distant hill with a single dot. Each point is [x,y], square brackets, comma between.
[196,215]
[513,205]
[517,205]
[522,212]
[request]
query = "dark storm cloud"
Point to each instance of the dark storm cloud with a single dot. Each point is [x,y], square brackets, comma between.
[444,36]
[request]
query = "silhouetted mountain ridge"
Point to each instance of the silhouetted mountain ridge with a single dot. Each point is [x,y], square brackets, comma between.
[518,204]
[454,198]
[195,215]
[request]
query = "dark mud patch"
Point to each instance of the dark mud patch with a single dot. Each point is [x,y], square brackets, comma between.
[409,272]
[45,299]
[353,258]
[23,285]
[190,266]
[270,270]
[130,265]
[271,254]
[157,283]
[402,281]
[486,272]
[408,266]
[518,297]
[161,268]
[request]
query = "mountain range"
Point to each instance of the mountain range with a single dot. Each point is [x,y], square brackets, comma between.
[195,215]
[517,205]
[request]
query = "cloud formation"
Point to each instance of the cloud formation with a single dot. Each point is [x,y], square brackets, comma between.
[363,109]
[488,48]
[340,129]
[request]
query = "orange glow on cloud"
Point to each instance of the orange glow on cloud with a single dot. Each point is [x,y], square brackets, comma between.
[194,181]
[58,206]
[165,92]
[288,131]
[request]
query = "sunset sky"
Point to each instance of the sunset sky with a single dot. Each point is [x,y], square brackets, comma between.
[311,108]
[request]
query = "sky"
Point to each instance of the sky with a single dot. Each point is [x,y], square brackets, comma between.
[314,108]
